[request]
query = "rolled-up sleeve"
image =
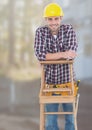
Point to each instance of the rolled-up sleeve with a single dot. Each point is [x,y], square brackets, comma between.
[71,39]
[39,46]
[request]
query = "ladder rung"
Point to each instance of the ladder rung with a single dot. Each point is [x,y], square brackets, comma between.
[55,113]
[56,89]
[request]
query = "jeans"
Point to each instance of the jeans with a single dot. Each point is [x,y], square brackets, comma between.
[51,120]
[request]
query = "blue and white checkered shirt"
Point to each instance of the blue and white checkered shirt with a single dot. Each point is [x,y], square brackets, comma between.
[45,43]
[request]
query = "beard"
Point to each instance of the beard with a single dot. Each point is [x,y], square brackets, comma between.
[54,27]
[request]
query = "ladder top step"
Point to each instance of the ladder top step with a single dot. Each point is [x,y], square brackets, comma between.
[62,61]
[56,89]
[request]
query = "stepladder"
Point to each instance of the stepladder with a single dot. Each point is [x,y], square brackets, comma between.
[64,93]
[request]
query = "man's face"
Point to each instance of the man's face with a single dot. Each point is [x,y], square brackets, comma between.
[54,23]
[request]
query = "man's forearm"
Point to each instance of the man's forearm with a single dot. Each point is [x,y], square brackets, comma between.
[55,56]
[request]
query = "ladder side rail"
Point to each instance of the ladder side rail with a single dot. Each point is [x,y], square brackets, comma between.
[71,76]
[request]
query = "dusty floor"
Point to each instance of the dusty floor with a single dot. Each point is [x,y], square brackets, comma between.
[20,110]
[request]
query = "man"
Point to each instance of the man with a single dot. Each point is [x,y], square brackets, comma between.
[52,42]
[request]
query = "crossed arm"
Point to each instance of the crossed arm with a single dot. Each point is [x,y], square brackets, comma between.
[59,55]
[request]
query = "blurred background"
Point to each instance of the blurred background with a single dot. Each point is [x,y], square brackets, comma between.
[20,71]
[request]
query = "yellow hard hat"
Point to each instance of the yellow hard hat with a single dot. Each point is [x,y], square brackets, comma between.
[53,9]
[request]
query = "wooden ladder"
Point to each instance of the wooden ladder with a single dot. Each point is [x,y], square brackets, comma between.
[45,99]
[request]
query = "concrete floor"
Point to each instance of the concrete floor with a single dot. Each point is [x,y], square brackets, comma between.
[19,107]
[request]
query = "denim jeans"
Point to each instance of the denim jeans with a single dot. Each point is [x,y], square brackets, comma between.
[51,120]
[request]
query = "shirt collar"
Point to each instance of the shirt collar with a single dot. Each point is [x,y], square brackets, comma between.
[59,30]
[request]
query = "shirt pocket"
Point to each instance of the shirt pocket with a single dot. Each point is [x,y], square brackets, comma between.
[51,47]
[62,45]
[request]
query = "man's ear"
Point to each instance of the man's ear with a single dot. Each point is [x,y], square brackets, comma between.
[45,19]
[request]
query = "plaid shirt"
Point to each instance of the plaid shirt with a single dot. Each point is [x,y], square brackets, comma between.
[45,43]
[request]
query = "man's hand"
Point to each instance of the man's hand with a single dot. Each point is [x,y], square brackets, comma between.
[69,54]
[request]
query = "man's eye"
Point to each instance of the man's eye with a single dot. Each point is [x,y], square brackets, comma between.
[50,19]
[56,18]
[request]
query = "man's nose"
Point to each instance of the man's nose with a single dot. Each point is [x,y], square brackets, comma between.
[53,22]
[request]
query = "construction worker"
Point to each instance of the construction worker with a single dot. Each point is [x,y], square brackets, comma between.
[52,42]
